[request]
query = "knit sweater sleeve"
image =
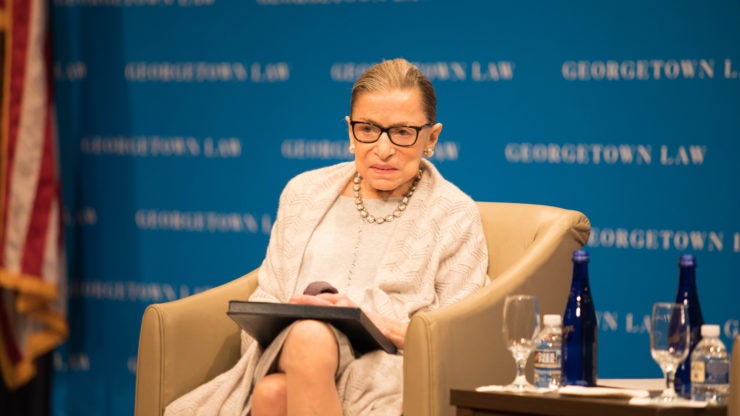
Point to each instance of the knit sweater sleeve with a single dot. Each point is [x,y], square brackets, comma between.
[463,257]
[271,287]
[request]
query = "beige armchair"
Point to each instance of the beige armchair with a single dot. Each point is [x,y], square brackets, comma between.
[189,341]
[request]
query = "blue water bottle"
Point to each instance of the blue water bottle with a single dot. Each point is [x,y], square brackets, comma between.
[688,296]
[580,328]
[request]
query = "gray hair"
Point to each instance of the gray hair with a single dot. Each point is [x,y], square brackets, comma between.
[396,74]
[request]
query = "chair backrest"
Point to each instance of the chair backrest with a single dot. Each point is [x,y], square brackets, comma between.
[512,228]
[538,238]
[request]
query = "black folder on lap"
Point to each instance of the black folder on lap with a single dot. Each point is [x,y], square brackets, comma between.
[264,321]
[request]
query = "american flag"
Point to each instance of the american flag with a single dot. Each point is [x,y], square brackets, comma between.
[32,275]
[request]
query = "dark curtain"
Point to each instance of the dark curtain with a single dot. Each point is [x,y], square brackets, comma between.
[33,398]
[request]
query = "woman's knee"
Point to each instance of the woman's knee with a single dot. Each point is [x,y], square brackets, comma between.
[311,330]
[269,393]
[310,343]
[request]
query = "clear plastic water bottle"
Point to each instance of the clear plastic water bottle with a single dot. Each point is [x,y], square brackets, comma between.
[580,328]
[710,368]
[547,353]
[688,295]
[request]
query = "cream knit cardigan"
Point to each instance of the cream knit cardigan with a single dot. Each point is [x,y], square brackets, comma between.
[436,257]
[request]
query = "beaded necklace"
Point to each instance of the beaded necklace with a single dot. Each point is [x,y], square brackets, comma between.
[396,212]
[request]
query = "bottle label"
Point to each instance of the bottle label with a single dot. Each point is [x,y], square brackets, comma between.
[567,330]
[697,371]
[710,372]
[547,358]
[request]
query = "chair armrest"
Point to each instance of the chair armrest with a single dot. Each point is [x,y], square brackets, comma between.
[176,336]
[461,346]
[733,407]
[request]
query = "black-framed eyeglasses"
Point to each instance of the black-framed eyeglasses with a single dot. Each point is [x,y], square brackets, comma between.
[403,136]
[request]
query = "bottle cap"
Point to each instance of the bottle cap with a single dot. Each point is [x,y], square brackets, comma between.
[686,260]
[711,331]
[580,256]
[551,320]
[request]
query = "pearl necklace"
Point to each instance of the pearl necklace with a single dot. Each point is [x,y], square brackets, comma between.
[367,217]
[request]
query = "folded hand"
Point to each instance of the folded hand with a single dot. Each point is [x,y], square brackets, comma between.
[324,299]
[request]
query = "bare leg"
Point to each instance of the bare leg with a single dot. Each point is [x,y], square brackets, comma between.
[269,397]
[309,359]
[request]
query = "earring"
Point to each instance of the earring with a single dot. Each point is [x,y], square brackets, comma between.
[351,148]
[429,152]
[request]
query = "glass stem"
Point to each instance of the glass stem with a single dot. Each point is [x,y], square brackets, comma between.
[670,377]
[521,363]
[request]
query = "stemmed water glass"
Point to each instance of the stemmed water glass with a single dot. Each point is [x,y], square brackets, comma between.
[669,344]
[521,325]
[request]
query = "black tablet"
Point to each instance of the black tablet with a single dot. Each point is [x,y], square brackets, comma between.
[264,321]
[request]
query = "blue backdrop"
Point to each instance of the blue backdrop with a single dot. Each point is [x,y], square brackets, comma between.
[181,120]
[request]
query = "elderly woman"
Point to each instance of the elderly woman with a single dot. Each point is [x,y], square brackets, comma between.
[387,231]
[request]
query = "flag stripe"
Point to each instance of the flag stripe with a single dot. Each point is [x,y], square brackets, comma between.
[16,43]
[28,99]
[35,124]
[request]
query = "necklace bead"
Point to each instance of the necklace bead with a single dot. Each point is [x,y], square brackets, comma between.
[369,218]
